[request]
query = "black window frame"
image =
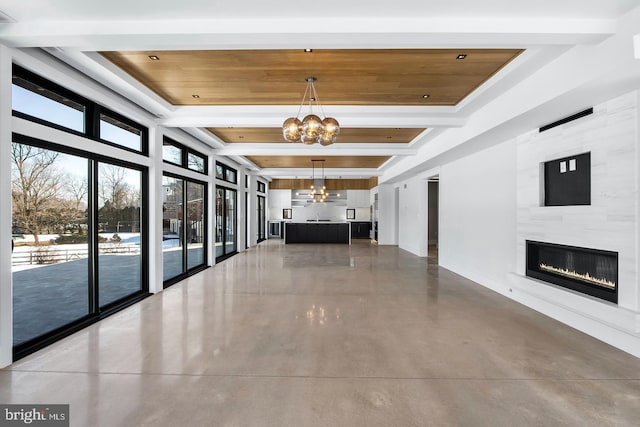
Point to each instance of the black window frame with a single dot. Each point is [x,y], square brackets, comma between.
[144,132]
[96,312]
[186,271]
[185,156]
[262,187]
[92,113]
[226,254]
[225,173]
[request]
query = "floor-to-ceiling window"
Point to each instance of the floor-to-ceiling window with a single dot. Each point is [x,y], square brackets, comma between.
[261,218]
[119,217]
[225,222]
[172,234]
[262,211]
[247,237]
[195,214]
[226,213]
[184,213]
[50,262]
[78,216]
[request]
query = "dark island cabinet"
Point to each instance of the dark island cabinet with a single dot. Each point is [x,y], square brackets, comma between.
[360,229]
[316,232]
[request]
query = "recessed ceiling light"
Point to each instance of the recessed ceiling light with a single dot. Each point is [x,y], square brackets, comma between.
[308,50]
[312,99]
[154,57]
[461,56]
[195,95]
[426,96]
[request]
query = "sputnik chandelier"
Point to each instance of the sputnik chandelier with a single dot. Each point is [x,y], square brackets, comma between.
[311,129]
[317,193]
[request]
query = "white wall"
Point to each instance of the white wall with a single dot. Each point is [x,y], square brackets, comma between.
[490,203]
[278,200]
[412,216]
[387,215]
[478,216]
[358,198]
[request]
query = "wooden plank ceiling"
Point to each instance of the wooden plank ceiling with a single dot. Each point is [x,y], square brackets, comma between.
[356,77]
[345,77]
[331,184]
[347,135]
[351,162]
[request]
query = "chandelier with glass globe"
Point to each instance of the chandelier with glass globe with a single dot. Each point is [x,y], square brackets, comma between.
[311,129]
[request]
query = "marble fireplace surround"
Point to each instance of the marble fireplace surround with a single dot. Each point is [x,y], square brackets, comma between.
[609,223]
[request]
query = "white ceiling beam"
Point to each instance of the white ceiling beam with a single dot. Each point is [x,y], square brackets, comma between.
[274,33]
[104,71]
[299,149]
[348,116]
[205,136]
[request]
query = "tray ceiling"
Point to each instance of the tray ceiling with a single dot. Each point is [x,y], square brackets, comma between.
[345,77]
[347,135]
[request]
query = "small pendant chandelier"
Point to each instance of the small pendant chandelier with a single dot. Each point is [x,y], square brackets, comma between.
[311,129]
[318,189]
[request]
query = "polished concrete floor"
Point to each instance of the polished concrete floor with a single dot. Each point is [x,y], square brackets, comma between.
[330,335]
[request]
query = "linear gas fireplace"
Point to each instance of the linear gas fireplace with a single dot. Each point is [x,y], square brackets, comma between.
[590,271]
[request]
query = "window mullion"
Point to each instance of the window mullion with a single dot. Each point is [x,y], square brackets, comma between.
[92,236]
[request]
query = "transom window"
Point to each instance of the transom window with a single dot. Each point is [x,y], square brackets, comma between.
[39,100]
[175,153]
[226,173]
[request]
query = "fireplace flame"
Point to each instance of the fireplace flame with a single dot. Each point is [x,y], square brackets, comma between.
[586,277]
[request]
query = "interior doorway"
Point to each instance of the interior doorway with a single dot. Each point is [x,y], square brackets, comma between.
[433,191]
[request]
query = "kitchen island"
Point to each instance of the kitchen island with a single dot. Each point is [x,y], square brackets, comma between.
[317,232]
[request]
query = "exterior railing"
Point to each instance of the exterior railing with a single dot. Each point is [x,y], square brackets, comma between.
[52,255]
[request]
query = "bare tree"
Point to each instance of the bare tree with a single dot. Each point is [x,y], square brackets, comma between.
[114,190]
[35,188]
[77,188]
[119,199]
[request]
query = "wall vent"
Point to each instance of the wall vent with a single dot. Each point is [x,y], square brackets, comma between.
[567,119]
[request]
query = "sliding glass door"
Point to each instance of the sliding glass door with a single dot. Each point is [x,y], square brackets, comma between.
[172,238]
[78,232]
[50,260]
[119,220]
[261,218]
[195,214]
[226,222]
[184,242]
[247,238]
